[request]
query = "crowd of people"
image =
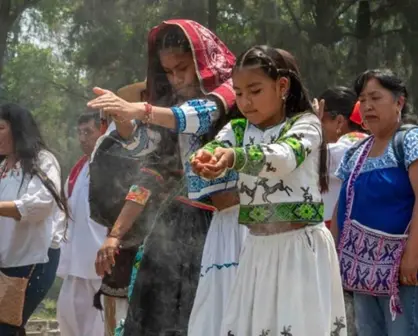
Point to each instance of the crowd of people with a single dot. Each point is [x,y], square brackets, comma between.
[216,198]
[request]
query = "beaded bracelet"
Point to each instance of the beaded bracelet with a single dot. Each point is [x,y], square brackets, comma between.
[148,113]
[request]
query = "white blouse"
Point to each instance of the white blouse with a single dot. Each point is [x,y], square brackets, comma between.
[26,242]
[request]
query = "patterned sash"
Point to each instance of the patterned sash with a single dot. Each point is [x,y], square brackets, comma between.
[369,259]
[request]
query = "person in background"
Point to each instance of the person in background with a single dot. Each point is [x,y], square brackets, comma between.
[342,126]
[32,209]
[114,165]
[378,200]
[76,314]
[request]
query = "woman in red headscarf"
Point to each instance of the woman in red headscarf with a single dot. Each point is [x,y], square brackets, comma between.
[190,91]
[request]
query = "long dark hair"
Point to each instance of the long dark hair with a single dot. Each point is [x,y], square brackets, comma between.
[28,143]
[340,100]
[389,80]
[277,63]
[159,88]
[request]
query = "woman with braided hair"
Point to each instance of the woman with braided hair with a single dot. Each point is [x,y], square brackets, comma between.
[288,280]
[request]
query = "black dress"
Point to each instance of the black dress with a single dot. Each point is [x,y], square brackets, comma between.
[168,275]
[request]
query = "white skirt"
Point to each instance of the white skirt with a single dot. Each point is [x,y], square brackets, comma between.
[287,285]
[220,258]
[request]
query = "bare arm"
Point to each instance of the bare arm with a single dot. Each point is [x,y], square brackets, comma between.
[9,209]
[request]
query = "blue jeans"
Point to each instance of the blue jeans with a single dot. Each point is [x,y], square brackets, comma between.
[40,282]
[373,317]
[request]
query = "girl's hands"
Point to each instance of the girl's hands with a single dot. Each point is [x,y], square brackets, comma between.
[210,165]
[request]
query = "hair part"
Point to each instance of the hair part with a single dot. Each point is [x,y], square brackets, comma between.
[277,63]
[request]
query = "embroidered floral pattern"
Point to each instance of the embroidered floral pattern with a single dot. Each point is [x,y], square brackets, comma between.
[282,212]
[139,195]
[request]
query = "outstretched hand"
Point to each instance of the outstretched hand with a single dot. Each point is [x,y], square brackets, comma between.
[115,106]
[210,165]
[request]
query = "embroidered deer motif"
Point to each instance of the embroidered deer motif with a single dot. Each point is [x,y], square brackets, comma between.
[270,168]
[287,331]
[307,196]
[361,277]
[389,252]
[252,139]
[382,279]
[339,325]
[368,248]
[250,192]
[271,190]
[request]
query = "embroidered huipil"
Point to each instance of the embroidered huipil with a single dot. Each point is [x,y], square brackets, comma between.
[384,198]
[194,119]
[278,169]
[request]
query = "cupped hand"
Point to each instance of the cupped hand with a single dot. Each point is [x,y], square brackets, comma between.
[114,106]
[105,258]
[213,165]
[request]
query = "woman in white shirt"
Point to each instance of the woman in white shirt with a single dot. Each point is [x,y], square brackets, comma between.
[32,208]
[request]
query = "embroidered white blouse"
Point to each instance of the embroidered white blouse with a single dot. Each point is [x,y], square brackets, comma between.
[195,119]
[26,242]
[278,169]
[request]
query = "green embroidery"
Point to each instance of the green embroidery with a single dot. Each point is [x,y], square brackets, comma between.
[211,146]
[240,158]
[255,160]
[297,147]
[281,212]
[238,127]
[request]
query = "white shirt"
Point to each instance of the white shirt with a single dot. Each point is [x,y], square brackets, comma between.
[336,152]
[26,242]
[84,236]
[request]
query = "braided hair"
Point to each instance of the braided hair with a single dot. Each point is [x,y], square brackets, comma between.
[277,63]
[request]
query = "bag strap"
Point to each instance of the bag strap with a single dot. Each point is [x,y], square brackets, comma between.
[398,143]
[31,272]
[361,159]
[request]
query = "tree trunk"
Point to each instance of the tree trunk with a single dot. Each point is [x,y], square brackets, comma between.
[10,11]
[213,15]
[363,30]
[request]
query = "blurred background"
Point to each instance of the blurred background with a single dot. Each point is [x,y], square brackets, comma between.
[52,52]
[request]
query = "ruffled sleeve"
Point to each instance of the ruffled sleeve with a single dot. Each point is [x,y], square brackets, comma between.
[37,202]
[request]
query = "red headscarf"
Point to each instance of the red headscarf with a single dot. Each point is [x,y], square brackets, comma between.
[213,60]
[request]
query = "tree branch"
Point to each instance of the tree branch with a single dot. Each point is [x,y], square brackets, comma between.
[293,16]
[387,32]
[344,9]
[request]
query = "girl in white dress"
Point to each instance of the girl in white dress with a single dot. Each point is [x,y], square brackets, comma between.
[288,281]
